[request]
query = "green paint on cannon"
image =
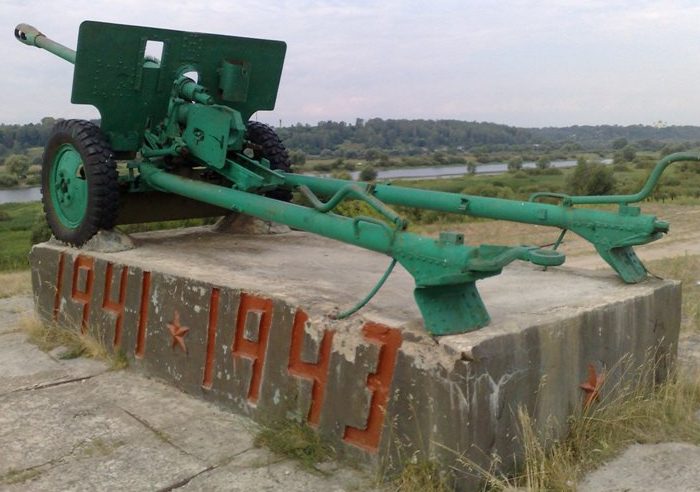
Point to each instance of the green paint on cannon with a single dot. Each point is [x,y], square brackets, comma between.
[181,121]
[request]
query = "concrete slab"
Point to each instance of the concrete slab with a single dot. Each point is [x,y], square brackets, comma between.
[12,309]
[121,431]
[60,432]
[689,353]
[212,437]
[664,467]
[24,366]
[275,475]
[243,321]
[143,464]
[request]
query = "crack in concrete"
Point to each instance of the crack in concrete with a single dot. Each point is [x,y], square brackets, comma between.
[157,432]
[187,480]
[210,468]
[42,386]
[26,474]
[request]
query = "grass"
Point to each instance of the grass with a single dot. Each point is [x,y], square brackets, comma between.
[420,476]
[48,337]
[16,221]
[686,269]
[294,440]
[15,283]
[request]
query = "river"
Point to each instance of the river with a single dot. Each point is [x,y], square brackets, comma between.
[34,194]
[460,170]
[20,195]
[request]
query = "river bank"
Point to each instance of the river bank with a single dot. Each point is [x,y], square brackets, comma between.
[32,194]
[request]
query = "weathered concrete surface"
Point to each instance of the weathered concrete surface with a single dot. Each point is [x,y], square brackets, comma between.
[667,467]
[243,321]
[13,309]
[74,425]
[23,366]
[689,353]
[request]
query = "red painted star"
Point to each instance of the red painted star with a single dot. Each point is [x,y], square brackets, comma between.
[178,332]
[592,385]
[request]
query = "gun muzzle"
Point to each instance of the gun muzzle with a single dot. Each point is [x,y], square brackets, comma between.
[32,36]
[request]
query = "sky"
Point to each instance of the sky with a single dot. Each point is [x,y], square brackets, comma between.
[516,62]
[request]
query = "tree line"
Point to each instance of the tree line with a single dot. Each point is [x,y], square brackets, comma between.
[17,139]
[415,137]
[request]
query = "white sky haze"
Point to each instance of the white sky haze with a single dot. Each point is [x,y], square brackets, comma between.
[523,63]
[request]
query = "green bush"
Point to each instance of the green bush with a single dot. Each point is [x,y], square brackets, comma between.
[543,162]
[322,166]
[7,180]
[356,208]
[368,173]
[591,178]
[515,163]
[17,164]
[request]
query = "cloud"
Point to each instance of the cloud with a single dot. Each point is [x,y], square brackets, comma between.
[515,61]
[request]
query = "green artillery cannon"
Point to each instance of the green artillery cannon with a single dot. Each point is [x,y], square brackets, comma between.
[176,141]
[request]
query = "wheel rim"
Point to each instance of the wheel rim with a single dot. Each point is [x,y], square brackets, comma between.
[68,186]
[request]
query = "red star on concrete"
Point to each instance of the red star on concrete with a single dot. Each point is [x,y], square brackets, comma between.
[592,385]
[178,332]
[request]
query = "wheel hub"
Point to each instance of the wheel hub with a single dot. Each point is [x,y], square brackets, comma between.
[69,186]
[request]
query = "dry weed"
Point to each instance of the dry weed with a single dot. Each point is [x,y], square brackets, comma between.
[15,283]
[50,336]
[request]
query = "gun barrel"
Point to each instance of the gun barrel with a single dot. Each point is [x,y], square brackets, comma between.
[33,37]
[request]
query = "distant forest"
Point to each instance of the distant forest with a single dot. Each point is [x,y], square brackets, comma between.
[414,137]
[408,137]
[17,139]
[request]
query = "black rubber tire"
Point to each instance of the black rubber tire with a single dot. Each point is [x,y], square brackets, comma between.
[266,144]
[99,171]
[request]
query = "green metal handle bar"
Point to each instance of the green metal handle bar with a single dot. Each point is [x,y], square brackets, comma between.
[646,190]
[487,207]
[31,36]
[548,194]
[356,221]
[352,190]
[444,270]
[612,234]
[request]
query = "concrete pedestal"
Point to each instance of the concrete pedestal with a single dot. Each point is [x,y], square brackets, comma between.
[243,321]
